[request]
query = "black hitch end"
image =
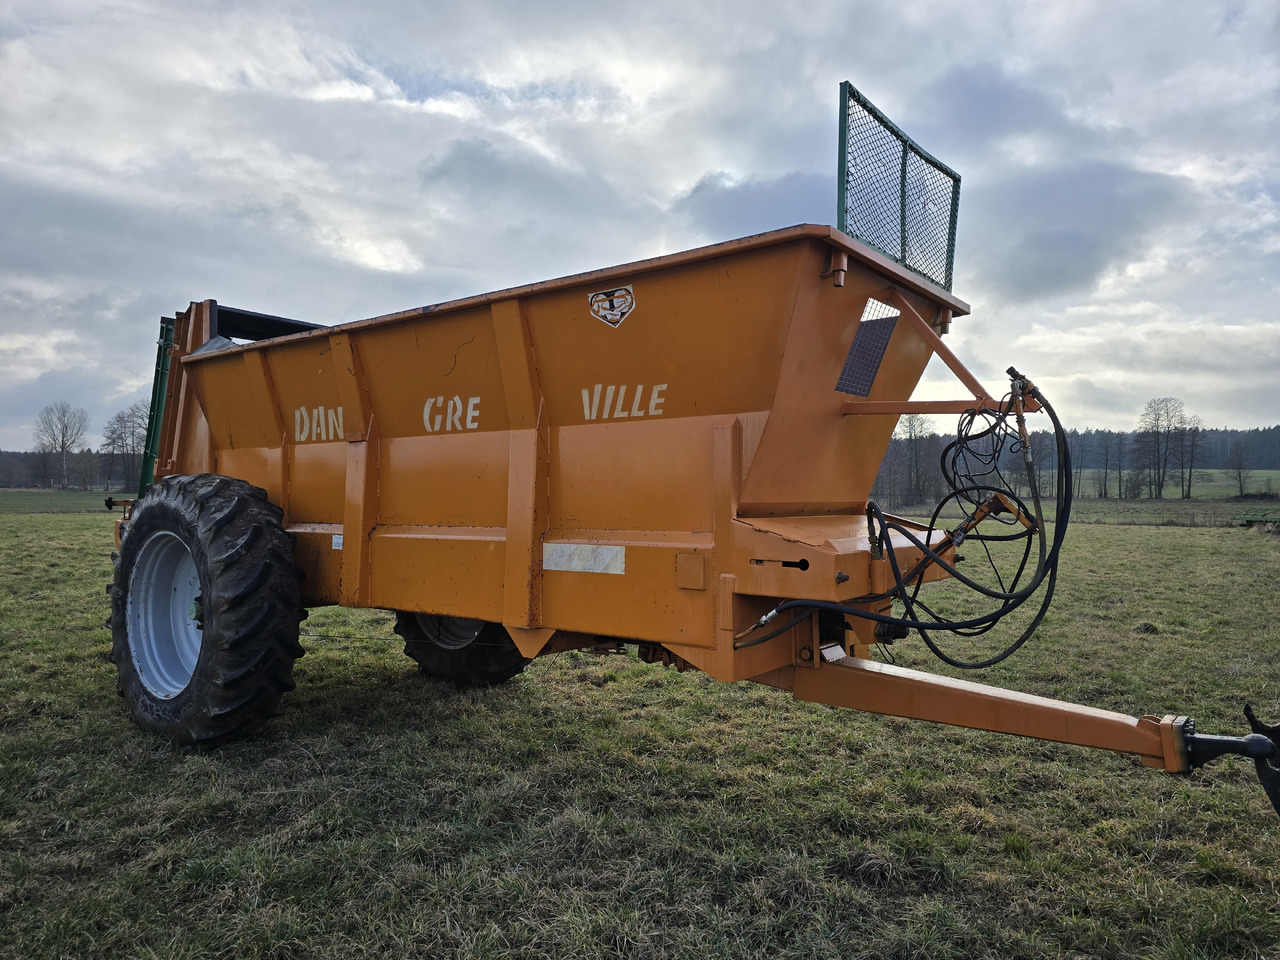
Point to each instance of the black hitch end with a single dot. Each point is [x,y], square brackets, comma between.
[1262,746]
[1268,766]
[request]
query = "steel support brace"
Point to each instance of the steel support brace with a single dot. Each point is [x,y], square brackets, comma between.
[895,691]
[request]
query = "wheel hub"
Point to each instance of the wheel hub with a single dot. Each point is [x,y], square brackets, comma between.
[450,633]
[165,615]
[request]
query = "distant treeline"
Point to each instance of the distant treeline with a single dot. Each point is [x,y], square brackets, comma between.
[1165,462]
[1162,462]
[1261,447]
[87,470]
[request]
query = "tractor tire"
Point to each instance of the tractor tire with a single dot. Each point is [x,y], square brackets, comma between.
[466,653]
[204,610]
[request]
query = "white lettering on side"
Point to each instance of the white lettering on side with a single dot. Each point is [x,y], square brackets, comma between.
[611,410]
[655,400]
[446,416]
[317,423]
[432,425]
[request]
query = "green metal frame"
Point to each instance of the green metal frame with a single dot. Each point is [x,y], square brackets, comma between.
[851,98]
[159,387]
[1256,516]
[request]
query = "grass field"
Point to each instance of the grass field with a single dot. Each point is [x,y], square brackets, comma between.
[1260,481]
[1212,506]
[1151,513]
[55,501]
[1215,485]
[600,807]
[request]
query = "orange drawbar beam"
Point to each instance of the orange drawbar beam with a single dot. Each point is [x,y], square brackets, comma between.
[896,691]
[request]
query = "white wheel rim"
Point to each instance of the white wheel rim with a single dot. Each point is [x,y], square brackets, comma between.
[163,615]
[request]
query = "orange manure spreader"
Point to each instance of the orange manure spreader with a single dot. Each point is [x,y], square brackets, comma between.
[675,454]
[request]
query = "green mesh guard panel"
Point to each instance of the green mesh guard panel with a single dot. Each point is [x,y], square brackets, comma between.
[892,195]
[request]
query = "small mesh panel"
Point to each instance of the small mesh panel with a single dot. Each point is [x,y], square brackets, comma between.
[867,350]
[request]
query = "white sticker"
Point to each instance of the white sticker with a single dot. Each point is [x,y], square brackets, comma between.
[584,558]
[337,541]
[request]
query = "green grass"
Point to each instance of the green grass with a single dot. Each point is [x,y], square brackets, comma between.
[1180,513]
[1142,512]
[55,501]
[1260,481]
[1216,485]
[600,807]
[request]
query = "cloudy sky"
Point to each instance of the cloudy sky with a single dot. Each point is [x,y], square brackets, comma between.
[1119,233]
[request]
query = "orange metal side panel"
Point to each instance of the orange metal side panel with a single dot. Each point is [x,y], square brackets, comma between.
[650,475]
[457,479]
[239,414]
[811,457]
[708,335]
[456,571]
[319,555]
[307,392]
[438,376]
[519,458]
[317,483]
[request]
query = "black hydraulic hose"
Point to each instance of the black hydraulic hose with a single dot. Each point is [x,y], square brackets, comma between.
[1064,497]
[931,555]
[775,632]
[1045,573]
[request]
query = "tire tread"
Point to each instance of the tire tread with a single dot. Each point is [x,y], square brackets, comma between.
[252,608]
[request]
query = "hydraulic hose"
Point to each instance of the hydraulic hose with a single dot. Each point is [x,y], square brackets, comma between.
[957,463]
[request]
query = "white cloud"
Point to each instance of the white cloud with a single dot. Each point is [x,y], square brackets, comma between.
[1119,218]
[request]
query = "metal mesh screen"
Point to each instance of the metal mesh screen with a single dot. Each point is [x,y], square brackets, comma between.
[867,350]
[893,195]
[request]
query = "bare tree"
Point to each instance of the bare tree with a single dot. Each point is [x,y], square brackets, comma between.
[60,430]
[84,468]
[1238,471]
[1044,462]
[1124,452]
[1109,457]
[914,430]
[1080,445]
[1161,421]
[124,437]
[1188,452]
[42,467]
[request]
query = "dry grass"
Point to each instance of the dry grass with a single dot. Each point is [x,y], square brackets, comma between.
[597,806]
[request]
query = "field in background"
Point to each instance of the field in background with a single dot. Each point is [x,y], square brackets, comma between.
[1217,487]
[1156,513]
[598,806]
[56,501]
[1212,506]
[1261,481]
